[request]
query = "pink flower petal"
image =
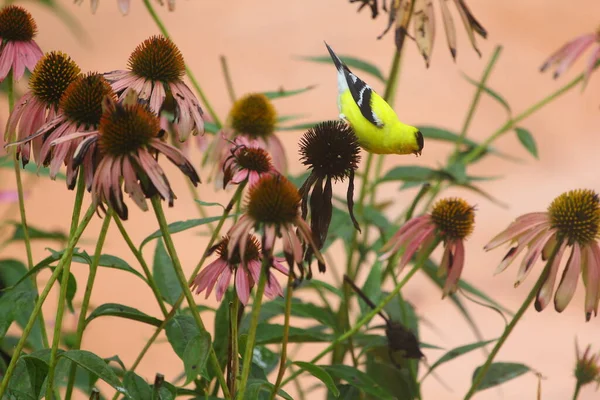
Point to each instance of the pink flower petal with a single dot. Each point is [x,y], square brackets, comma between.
[535,251]
[521,225]
[242,286]
[568,282]
[545,293]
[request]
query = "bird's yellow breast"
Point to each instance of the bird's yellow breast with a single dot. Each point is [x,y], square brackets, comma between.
[393,138]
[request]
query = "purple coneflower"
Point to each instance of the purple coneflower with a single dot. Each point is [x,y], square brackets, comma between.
[156,67]
[273,208]
[330,150]
[127,143]
[246,270]
[564,57]
[247,162]
[18,50]
[451,220]
[572,221]
[48,82]
[254,117]
[80,110]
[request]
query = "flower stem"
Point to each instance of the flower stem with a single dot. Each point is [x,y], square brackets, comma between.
[509,125]
[73,239]
[576,392]
[11,104]
[286,331]
[368,317]
[64,284]
[86,299]
[256,305]
[163,29]
[140,259]
[477,379]
[475,102]
[228,80]
[234,309]
[183,283]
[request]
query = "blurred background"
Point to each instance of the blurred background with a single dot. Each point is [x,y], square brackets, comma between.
[263,41]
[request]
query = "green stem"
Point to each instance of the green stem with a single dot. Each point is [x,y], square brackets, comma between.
[73,239]
[235,350]
[251,338]
[509,125]
[228,80]
[140,259]
[475,101]
[11,104]
[86,299]
[286,331]
[188,71]
[368,317]
[201,209]
[482,371]
[234,200]
[576,392]
[64,284]
[183,283]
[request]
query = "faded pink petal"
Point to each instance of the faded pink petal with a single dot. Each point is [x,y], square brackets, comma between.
[242,285]
[223,283]
[568,282]
[545,293]
[455,268]
[521,225]
[522,242]
[8,196]
[591,279]
[405,232]
[535,251]
[414,244]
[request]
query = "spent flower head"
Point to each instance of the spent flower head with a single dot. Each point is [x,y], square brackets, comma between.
[247,162]
[47,84]
[571,222]
[331,152]
[452,221]
[156,69]
[421,12]
[564,57]
[18,50]
[273,210]
[245,269]
[587,369]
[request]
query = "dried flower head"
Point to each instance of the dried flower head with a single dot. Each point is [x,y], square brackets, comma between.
[156,68]
[572,221]
[587,369]
[18,50]
[246,270]
[247,162]
[452,221]
[331,152]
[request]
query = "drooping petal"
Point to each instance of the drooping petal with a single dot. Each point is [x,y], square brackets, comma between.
[521,225]
[242,285]
[591,279]
[535,251]
[207,278]
[455,268]
[449,27]
[424,28]
[522,242]
[223,283]
[568,282]
[404,233]
[544,295]
[414,245]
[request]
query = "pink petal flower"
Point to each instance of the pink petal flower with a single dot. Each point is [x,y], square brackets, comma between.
[545,293]
[568,282]
[242,285]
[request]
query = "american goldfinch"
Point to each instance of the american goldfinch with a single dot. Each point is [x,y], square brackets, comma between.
[375,123]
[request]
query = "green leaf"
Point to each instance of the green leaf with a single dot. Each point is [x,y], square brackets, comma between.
[320,374]
[358,379]
[96,366]
[210,127]
[256,386]
[299,309]
[181,226]
[19,387]
[36,234]
[164,274]
[6,163]
[222,324]
[287,93]
[12,272]
[317,284]
[205,204]
[352,63]
[136,386]
[346,392]
[110,261]
[492,93]
[265,359]
[37,370]
[181,330]
[500,372]
[457,352]
[411,173]
[119,310]
[195,356]
[527,140]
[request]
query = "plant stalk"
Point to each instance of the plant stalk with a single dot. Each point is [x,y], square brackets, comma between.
[286,332]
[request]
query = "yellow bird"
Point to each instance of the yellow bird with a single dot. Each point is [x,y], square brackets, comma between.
[375,123]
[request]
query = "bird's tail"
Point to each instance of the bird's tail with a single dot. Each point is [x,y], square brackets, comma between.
[339,65]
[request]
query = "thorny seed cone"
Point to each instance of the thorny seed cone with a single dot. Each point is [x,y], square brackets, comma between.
[273,200]
[576,215]
[454,218]
[253,115]
[16,24]
[82,100]
[157,59]
[51,77]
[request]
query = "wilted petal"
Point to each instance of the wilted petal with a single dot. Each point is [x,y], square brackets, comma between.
[568,282]
[242,285]
[591,279]
[455,268]
[535,250]
[424,26]
[545,293]
[521,225]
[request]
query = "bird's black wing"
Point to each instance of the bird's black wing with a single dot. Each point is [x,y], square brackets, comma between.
[362,95]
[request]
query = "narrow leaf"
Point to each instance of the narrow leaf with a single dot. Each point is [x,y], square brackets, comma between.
[121,311]
[136,386]
[181,226]
[492,93]
[358,379]
[287,93]
[500,372]
[457,352]
[36,233]
[195,356]
[527,140]
[180,331]
[95,365]
[320,374]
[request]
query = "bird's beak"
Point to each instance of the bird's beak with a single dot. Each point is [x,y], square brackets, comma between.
[420,143]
